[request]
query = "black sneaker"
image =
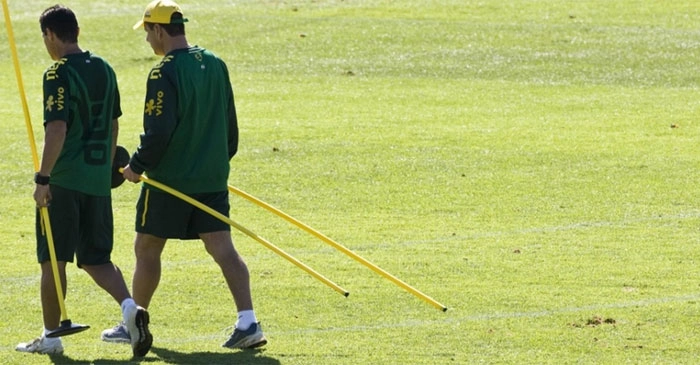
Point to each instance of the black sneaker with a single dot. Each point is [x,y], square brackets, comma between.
[141,338]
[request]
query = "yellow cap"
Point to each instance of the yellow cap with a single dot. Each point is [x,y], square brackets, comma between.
[160,12]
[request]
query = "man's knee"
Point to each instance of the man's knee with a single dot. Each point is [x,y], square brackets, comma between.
[148,246]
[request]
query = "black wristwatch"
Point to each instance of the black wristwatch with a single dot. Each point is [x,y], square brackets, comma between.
[41,179]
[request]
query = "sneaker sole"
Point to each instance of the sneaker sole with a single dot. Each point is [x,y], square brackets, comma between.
[41,352]
[248,345]
[145,339]
[117,340]
[260,343]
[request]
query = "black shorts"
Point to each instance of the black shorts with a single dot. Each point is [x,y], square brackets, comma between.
[166,216]
[81,226]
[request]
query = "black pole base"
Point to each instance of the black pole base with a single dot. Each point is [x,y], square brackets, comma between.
[67,328]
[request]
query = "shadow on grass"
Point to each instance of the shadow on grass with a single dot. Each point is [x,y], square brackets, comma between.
[255,357]
[234,357]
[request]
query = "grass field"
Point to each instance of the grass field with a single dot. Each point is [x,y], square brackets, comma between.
[531,165]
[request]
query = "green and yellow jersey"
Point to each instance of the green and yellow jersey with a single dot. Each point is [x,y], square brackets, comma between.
[190,126]
[81,90]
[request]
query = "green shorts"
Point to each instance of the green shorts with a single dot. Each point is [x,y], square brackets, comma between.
[81,226]
[166,216]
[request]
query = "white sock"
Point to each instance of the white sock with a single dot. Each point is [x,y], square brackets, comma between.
[49,339]
[245,319]
[127,305]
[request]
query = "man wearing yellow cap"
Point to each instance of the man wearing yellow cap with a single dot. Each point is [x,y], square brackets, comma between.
[190,134]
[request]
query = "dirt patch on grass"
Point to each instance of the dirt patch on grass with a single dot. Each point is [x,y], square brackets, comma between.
[595,321]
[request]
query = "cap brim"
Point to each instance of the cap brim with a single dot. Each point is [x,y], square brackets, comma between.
[138,25]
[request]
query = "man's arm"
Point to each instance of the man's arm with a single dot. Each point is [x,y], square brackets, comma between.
[159,120]
[231,115]
[55,136]
[115,137]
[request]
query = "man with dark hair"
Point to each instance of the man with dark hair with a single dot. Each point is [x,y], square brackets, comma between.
[81,111]
[190,134]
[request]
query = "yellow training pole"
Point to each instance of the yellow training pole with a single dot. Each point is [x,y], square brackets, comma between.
[44,211]
[338,246]
[263,241]
[20,85]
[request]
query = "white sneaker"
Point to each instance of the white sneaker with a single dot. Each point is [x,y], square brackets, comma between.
[42,345]
[117,334]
